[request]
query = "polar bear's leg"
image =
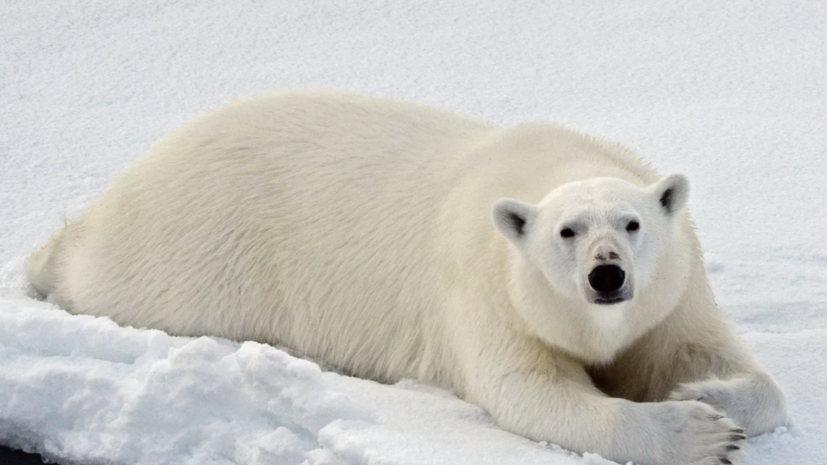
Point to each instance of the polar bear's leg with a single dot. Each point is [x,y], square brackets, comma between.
[694,355]
[40,265]
[716,368]
[723,373]
[548,397]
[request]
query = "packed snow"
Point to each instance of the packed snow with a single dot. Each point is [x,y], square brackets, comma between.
[730,93]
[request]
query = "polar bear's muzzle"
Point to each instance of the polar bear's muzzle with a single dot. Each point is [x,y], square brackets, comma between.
[608,285]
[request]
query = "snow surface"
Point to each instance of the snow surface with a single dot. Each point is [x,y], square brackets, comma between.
[731,93]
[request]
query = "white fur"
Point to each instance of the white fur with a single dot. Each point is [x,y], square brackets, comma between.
[358,231]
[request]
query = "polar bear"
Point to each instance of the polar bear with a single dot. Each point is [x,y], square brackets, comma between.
[551,278]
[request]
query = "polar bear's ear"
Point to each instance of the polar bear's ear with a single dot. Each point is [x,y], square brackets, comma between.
[672,192]
[513,218]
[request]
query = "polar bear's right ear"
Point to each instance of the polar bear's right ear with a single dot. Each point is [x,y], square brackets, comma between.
[513,218]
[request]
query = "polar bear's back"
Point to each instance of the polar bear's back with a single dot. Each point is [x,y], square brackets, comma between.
[300,218]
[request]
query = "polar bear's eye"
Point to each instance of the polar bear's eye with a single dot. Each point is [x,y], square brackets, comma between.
[567,233]
[632,226]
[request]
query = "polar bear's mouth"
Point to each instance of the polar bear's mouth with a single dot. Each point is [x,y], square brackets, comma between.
[610,300]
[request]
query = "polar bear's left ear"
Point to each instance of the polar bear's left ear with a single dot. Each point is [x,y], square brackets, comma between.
[513,218]
[672,193]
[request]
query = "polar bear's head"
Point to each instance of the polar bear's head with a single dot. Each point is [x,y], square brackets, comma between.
[599,240]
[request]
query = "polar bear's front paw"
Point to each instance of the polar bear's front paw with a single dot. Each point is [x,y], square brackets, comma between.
[697,434]
[713,391]
[755,402]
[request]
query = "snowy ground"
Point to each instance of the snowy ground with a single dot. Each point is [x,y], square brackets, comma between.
[730,93]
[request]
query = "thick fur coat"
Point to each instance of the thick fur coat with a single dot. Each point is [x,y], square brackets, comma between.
[394,240]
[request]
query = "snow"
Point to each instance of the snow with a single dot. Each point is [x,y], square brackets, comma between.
[97,392]
[730,93]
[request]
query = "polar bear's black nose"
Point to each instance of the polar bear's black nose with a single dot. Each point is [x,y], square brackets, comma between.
[606,278]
